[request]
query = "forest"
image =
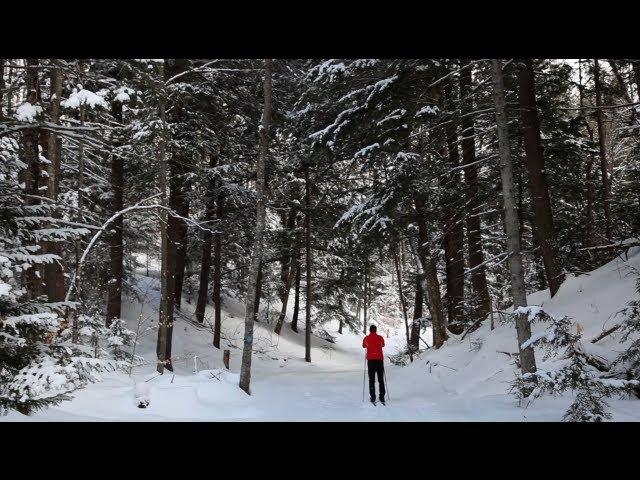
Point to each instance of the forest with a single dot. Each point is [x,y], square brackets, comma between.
[234,226]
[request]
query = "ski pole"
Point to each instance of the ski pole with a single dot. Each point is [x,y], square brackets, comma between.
[386,386]
[364,375]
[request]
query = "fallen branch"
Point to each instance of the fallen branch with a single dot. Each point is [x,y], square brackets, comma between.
[423,341]
[606,333]
[612,246]
[471,328]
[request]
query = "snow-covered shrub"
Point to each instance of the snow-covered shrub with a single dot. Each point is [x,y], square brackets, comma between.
[575,369]
[38,365]
[119,337]
[400,358]
[101,342]
[628,361]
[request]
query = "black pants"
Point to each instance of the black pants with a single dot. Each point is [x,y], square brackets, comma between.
[376,366]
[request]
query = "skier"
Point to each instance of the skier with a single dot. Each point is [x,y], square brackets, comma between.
[375,363]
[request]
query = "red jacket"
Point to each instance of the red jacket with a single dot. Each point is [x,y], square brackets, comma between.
[373,343]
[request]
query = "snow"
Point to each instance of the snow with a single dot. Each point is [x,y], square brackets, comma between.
[532,311]
[427,110]
[463,381]
[5,288]
[123,94]
[84,97]
[27,112]
[366,150]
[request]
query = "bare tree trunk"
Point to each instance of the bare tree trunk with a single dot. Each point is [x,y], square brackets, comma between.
[217,265]
[179,189]
[588,228]
[454,230]
[182,239]
[256,305]
[166,301]
[482,299]
[364,298]
[414,340]
[256,258]
[2,87]
[285,300]
[80,212]
[604,167]
[31,156]
[291,254]
[116,270]
[543,215]
[296,301]
[438,320]
[403,304]
[53,272]
[205,264]
[287,254]
[523,328]
[173,239]
[307,241]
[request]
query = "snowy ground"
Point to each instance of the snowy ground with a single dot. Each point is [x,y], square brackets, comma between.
[465,381]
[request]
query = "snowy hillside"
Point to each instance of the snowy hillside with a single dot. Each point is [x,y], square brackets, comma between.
[464,381]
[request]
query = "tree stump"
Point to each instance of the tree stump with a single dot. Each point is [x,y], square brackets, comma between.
[225,358]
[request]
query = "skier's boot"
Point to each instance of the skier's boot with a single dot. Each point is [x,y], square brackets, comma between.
[373,400]
[382,400]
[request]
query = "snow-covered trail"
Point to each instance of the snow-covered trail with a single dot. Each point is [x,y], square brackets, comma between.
[464,381]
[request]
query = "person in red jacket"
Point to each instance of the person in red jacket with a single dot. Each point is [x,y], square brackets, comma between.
[374,343]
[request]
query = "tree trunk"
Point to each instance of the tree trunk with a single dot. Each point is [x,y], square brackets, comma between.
[414,340]
[454,233]
[217,266]
[287,254]
[1,88]
[604,167]
[543,215]
[307,242]
[80,212]
[165,319]
[182,209]
[32,177]
[256,305]
[285,300]
[403,304]
[53,272]
[438,320]
[523,328]
[364,298]
[116,271]
[256,258]
[289,266]
[482,300]
[588,228]
[179,188]
[296,301]
[173,237]
[205,264]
